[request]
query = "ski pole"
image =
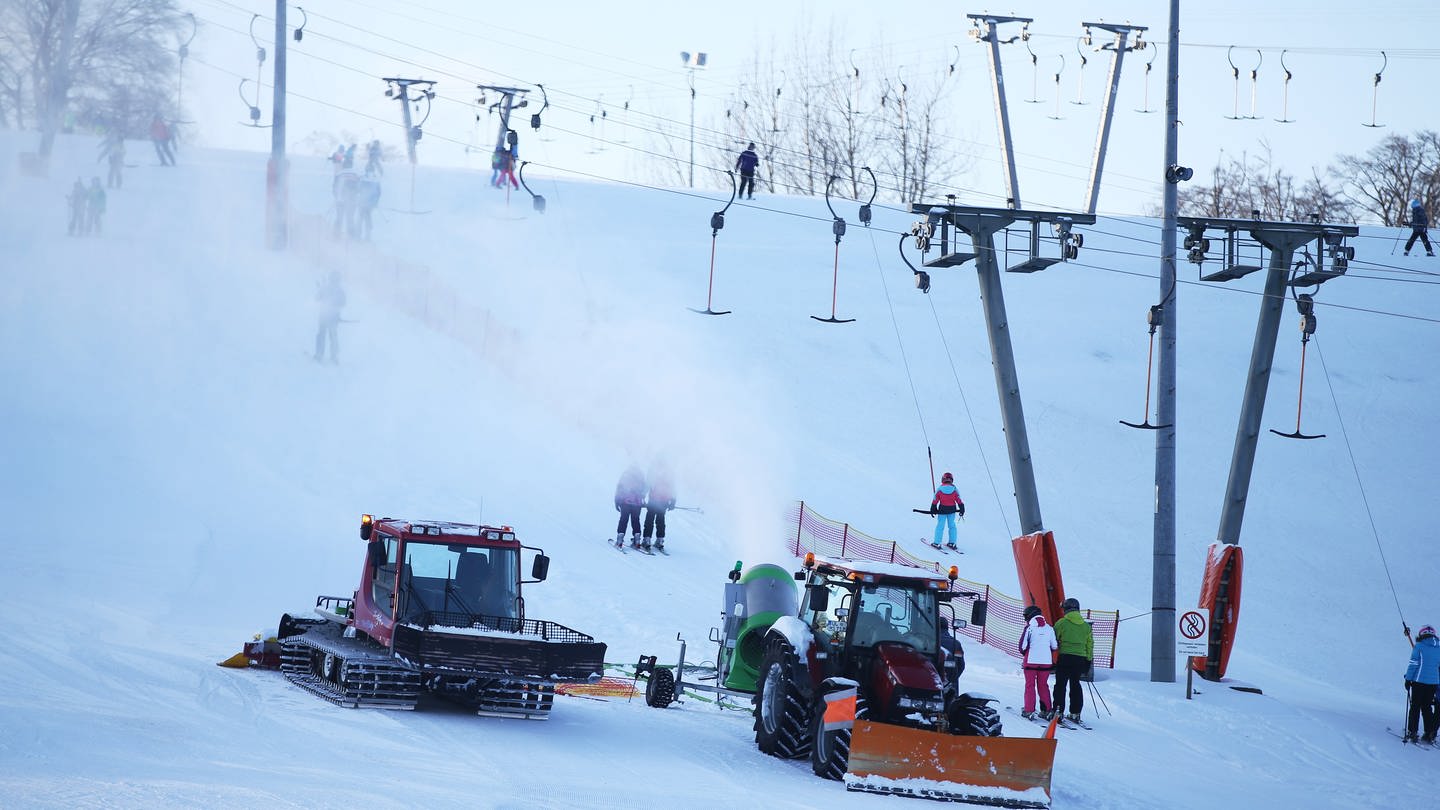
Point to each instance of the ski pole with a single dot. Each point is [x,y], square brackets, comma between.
[1095,693]
[1405,726]
[690,509]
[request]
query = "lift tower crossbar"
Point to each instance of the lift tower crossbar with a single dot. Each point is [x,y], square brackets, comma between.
[985,31]
[981,224]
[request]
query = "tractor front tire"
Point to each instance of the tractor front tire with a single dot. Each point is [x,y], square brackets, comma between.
[830,750]
[974,719]
[660,689]
[782,704]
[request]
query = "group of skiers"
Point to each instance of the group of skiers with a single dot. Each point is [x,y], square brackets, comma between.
[356,196]
[502,167]
[656,496]
[87,207]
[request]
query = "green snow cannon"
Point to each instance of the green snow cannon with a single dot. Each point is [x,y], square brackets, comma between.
[753,601]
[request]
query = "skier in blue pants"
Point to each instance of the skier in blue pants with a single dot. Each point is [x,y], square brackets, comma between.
[945,506]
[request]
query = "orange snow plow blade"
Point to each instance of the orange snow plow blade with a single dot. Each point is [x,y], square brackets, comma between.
[996,771]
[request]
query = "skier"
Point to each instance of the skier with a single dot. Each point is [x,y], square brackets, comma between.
[1421,678]
[367,196]
[660,500]
[330,297]
[629,495]
[95,206]
[79,201]
[373,157]
[346,188]
[497,161]
[507,166]
[1077,649]
[1419,225]
[160,134]
[746,164]
[945,506]
[349,158]
[112,150]
[1037,650]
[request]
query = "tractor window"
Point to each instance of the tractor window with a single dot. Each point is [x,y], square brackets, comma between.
[463,580]
[384,580]
[830,623]
[896,614]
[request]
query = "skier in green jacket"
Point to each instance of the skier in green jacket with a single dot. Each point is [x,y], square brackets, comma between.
[1077,650]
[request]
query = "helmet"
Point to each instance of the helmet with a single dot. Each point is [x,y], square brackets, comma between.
[1070,604]
[946,478]
[1415,204]
[1031,612]
[1427,630]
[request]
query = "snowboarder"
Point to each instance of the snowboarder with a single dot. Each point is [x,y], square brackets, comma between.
[1419,225]
[629,495]
[373,158]
[161,135]
[1421,678]
[746,164]
[1037,650]
[79,201]
[660,500]
[945,506]
[112,150]
[95,206]
[1077,649]
[330,296]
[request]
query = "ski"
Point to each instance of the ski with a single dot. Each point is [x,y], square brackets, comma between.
[1038,719]
[661,550]
[1401,736]
[945,549]
[618,547]
[1068,723]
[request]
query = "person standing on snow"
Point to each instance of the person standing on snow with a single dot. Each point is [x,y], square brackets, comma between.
[660,500]
[1421,678]
[1419,226]
[373,160]
[330,297]
[79,201]
[95,206]
[746,164]
[160,134]
[629,496]
[945,506]
[1037,650]
[112,150]
[1077,649]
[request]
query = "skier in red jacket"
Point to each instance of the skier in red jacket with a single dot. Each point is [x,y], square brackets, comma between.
[945,506]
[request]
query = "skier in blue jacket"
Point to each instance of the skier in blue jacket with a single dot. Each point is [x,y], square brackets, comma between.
[1421,678]
[1419,227]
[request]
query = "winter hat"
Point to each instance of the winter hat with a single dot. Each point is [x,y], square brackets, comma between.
[751,146]
[1427,630]
[1415,204]
[1070,604]
[1031,612]
[947,478]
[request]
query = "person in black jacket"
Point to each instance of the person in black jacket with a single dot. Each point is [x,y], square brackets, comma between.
[1419,224]
[746,164]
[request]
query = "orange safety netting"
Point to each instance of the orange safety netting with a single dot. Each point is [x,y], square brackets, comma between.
[605,687]
[1005,620]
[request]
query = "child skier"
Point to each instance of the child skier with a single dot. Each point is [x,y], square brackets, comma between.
[945,506]
[1037,650]
[1421,678]
[629,495]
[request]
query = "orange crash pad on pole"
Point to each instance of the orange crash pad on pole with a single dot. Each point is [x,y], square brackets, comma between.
[1220,592]
[1038,566]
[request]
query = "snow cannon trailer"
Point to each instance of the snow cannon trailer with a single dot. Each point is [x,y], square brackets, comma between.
[852,674]
[439,609]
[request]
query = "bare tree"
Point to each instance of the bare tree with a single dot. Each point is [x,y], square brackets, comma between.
[101,60]
[1398,169]
[1249,186]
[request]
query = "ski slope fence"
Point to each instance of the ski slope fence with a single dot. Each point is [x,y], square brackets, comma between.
[1005,620]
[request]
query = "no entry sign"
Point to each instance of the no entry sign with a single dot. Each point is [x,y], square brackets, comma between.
[1193,637]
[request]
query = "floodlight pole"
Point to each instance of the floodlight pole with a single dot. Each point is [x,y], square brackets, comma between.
[1162,571]
[277,173]
[1108,112]
[982,224]
[984,31]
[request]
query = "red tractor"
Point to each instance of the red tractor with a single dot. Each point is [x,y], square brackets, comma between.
[439,609]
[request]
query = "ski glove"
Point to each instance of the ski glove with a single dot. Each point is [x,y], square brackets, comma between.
[1408,684]
[933,510]
[617,506]
[960,510]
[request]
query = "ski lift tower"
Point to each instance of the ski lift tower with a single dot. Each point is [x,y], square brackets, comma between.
[504,105]
[1118,49]
[981,224]
[984,30]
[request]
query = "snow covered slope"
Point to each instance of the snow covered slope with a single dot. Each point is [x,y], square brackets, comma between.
[179,472]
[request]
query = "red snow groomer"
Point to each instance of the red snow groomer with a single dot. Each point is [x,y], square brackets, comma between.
[439,609]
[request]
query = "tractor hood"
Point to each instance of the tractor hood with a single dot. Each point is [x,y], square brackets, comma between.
[900,665]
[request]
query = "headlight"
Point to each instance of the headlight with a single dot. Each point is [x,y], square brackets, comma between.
[921,704]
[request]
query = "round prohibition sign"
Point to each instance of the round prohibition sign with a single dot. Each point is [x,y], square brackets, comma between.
[1192,625]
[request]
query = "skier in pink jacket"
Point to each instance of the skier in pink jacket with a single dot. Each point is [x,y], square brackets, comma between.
[1037,648]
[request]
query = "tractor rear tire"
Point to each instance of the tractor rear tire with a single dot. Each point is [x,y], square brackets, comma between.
[660,689]
[782,703]
[830,750]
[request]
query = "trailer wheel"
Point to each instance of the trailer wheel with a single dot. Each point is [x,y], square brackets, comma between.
[830,750]
[660,689]
[974,719]
[782,704]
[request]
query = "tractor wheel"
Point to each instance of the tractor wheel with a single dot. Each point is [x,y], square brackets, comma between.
[974,718]
[782,704]
[830,750]
[660,690]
